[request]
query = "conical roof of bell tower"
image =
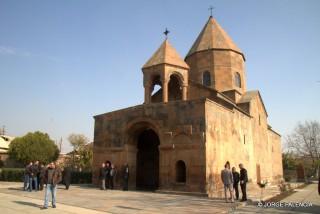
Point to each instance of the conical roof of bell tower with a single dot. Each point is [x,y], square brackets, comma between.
[213,37]
[166,54]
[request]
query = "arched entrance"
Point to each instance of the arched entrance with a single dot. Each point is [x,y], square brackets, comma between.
[147,160]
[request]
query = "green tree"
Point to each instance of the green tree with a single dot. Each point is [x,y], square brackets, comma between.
[33,146]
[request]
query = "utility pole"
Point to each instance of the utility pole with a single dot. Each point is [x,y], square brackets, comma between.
[3,130]
[60,144]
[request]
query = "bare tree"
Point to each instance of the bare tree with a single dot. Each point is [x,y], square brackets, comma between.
[305,141]
[77,141]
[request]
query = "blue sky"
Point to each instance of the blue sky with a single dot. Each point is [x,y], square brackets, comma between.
[63,61]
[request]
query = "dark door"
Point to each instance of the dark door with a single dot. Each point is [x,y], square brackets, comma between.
[148,160]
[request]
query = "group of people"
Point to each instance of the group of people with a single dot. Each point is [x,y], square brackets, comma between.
[108,173]
[34,176]
[231,180]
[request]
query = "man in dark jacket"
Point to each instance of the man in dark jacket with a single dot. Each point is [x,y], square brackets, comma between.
[33,171]
[126,177]
[243,181]
[102,176]
[37,163]
[52,177]
[66,176]
[108,178]
[27,177]
[236,179]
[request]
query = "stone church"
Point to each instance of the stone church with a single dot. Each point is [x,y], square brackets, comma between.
[201,116]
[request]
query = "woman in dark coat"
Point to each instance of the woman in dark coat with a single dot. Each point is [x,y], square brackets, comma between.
[125,174]
[66,176]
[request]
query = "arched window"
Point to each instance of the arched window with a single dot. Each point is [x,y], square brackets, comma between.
[206,79]
[180,172]
[174,88]
[237,79]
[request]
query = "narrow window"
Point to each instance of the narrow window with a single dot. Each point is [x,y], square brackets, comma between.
[237,79]
[206,79]
[259,120]
[180,172]
[244,139]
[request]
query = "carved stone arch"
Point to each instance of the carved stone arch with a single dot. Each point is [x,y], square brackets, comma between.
[175,86]
[156,78]
[136,126]
[180,77]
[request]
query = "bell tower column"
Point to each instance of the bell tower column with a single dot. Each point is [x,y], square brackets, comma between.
[165,91]
[147,94]
[184,92]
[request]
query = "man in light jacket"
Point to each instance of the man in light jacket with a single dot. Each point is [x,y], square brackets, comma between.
[227,179]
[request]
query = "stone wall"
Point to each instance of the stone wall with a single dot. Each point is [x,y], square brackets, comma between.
[202,133]
[239,138]
[180,126]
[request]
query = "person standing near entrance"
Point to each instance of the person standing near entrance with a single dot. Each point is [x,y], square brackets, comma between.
[236,179]
[113,173]
[227,179]
[108,169]
[102,176]
[126,177]
[52,177]
[243,181]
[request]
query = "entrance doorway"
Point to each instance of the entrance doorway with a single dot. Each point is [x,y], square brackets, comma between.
[148,160]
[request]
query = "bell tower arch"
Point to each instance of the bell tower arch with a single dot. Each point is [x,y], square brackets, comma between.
[166,69]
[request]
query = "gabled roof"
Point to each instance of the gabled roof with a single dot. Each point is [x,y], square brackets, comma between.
[166,54]
[5,141]
[213,36]
[249,95]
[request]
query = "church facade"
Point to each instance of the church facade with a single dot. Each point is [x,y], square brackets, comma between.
[202,116]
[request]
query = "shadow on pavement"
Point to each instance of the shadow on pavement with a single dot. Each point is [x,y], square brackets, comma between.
[15,188]
[27,203]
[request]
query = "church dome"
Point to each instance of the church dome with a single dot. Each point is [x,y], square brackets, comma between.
[213,37]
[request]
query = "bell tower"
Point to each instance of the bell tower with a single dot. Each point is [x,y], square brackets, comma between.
[216,62]
[166,69]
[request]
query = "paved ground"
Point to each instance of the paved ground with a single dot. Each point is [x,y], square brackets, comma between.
[307,195]
[81,199]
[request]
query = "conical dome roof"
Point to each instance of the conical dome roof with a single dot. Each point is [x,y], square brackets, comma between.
[213,36]
[166,54]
